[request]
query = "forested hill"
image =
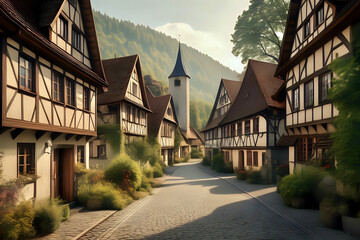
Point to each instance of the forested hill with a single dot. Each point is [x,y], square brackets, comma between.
[158,54]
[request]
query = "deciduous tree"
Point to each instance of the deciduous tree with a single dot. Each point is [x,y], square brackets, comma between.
[258,30]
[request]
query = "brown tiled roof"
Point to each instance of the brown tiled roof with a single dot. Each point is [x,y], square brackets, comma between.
[48,10]
[23,17]
[232,87]
[118,72]
[256,91]
[158,107]
[192,135]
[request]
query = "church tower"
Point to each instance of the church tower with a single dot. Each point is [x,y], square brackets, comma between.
[179,84]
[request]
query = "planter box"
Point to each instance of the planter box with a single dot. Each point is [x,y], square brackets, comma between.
[351,226]
[94,204]
[329,217]
[298,202]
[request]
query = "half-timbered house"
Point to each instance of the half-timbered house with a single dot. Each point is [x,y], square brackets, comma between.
[255,122]
[162,124]
[124,106]
[227,92]
[317,32]
[50,75]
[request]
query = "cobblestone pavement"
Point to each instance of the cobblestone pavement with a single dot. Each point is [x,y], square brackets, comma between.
[192,204]
[77,224]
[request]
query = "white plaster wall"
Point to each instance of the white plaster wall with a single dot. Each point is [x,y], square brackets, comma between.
[43,160]
[181,98]
[291,159]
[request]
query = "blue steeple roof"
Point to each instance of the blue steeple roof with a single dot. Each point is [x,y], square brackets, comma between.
[179,69]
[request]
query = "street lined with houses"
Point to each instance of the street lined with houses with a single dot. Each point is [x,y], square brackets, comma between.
[194,202]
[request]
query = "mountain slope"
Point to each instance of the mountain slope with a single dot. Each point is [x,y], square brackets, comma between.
[158,54]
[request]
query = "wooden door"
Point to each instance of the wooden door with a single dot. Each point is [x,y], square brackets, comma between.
[241,161]
[66,174]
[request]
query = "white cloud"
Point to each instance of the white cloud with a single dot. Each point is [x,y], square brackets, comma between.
[217,47]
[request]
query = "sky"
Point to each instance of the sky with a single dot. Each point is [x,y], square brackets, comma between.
[206,25]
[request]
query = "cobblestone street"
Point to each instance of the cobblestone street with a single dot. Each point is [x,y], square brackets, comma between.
[192,204]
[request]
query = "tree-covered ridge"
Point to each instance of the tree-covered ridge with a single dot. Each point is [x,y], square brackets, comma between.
[158,54]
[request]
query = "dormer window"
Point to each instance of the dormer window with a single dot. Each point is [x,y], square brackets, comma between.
[306,29]
[169,111]
[320,16]
[63,31]
[76,39]
[177,83]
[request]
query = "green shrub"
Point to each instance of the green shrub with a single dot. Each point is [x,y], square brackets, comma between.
[65,212]
[206,161]
[17,223]
[301,184]
[145,184]
[48,215]
[282,171]
[220,165]
[254,177]
[148,172]
[241,175]
[110,196]
[196,154]
[147,150]
[124,172]
[157,170]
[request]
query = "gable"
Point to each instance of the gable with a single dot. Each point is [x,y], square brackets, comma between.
[133,91]
[68,32]
[313,17]
[169,113]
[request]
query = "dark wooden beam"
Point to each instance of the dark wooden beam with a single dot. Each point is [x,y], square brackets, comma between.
[16,132]
[39,134]
[55,135]
[78,137]
[324,126]
[3,129]
[88,138]
[68,136]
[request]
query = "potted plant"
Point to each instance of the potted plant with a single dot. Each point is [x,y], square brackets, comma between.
[329,212]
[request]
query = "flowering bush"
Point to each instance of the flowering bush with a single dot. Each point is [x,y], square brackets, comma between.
[254,177]
[124,172]
[282,171]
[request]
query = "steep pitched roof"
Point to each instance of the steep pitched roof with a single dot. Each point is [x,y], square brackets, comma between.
[191,135]
[158,106]
[232,87]
[179,69]
[257,89]
[346,12]
[28,16]
[118,72]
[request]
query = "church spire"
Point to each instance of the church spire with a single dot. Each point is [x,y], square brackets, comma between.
[179,69]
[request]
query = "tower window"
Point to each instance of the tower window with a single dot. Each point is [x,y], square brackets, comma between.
[177,82]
